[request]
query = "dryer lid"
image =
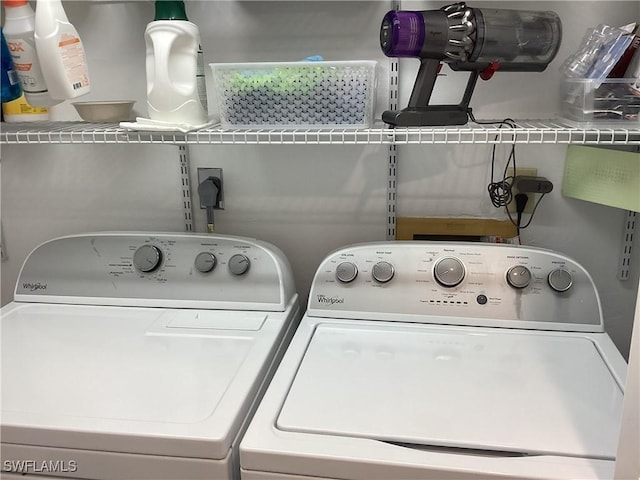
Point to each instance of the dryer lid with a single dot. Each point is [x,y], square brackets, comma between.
[462,388]
[136,380]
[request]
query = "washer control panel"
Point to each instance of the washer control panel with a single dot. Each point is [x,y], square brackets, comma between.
[457,283]
[188,270]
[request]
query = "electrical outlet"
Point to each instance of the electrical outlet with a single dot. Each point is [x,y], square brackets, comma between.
[203,174]
[533,198]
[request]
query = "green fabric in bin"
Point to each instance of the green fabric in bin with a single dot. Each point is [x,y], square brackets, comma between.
[601,175]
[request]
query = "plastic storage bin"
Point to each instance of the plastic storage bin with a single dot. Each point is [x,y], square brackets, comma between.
[295,94]
[609,101]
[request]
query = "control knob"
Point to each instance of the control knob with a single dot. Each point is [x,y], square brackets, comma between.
[382,272]
[147,258]
[239,264]
[518,276]
[205,262]
[560,280]
[346,272]
[449,272]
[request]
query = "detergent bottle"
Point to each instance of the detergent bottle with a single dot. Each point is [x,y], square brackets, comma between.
[176,91]
[60,51]
[11,88]
[19,29]
[19,110]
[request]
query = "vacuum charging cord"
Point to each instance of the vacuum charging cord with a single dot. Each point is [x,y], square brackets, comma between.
[521,200]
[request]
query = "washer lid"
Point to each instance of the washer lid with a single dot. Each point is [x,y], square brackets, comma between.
[137,380]
[465,388]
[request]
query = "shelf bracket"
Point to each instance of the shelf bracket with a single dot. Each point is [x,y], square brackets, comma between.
[392,168]
[185,184]
[627,245]
[391,193]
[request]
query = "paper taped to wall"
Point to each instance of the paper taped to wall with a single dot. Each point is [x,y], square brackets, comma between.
[601,175]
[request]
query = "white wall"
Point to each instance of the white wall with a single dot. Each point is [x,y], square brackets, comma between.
[306,199]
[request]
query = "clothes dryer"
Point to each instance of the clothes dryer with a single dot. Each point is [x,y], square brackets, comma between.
[426,360]
[140,355]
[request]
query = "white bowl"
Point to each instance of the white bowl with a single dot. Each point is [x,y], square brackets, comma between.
[105,111]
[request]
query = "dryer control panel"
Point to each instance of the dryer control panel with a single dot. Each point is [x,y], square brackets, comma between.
[158,269]
[456,283]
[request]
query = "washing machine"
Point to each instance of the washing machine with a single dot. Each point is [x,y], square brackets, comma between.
[420,360]
[140,355]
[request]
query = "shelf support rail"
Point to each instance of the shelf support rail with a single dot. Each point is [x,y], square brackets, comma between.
[393,151]
[185,183]
[627,245]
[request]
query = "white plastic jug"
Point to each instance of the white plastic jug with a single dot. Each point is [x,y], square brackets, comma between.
[172,62]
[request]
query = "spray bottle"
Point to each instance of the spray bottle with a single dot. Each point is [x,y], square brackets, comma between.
[19,27]
[60,51]
[176,91]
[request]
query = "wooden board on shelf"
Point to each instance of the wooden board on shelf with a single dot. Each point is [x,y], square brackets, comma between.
[451,229]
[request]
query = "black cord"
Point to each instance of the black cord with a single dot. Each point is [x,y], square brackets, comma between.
[518,222]
[533,211]
[508,121]
[500,191]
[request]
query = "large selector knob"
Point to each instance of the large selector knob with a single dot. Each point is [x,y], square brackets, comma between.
[147,258]
[518,276]
[346,272]
[382,272]
[560,280]
[449,271]
[239,264]
[205,262]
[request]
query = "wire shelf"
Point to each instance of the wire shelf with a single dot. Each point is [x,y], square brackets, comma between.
[526,132]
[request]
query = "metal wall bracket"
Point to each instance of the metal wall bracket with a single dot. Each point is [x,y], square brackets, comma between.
[185,182]
[629,227]
[392,170]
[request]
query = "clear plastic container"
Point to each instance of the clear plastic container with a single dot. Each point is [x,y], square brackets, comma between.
[596,101]
[322,94]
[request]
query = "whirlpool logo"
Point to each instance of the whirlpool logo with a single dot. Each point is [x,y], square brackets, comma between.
[34,287]
[329,300]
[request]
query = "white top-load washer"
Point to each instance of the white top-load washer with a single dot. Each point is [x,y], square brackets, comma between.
[139,355]
[420,360]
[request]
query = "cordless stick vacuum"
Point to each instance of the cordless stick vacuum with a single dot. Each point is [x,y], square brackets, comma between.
[468,39]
